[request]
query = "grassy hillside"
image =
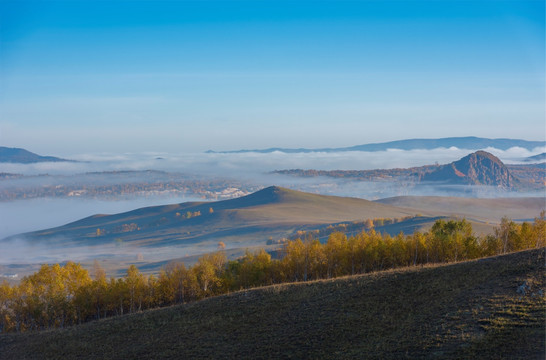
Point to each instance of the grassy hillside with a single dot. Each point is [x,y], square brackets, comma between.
[244,217]
[464,310]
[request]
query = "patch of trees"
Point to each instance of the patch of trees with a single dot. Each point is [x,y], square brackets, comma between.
[189,214]
[123,228]
[351,228]
[58,296]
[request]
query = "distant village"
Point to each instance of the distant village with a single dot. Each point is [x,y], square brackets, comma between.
[215,189]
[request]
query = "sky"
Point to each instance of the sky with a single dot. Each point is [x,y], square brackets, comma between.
[187,76]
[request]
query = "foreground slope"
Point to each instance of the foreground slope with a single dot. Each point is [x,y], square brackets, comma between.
[464,310]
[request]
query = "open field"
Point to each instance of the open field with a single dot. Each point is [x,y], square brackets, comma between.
[463,310]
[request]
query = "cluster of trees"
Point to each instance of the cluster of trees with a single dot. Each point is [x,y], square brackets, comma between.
[188,214]
[57,296]
[123,228]
[347,228]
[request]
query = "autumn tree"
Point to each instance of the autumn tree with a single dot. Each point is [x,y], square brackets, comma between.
[7,296]
[507,232]
[335,253]
[208,271]
[136,287]
[97,291]
[254,270]
[539,230]
[173,283]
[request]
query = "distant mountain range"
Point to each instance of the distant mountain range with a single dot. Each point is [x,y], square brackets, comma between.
[22,156]
[469,142]
[478,168]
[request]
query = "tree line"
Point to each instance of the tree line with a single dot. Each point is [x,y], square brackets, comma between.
[59,296]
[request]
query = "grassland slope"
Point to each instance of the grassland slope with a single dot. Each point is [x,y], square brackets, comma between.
[491,308]
[268,210]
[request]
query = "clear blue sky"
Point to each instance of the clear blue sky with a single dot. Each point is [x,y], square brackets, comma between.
[90,76]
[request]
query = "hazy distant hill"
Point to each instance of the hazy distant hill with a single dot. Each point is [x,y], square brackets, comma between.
[469,142]
[479,168]
[17,155]
[539,157]
[469,310]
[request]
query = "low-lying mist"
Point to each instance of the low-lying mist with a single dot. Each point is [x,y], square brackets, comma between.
[30,215]
[249,168]
[253,164]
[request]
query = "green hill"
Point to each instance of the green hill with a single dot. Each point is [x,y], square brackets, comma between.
[492,308]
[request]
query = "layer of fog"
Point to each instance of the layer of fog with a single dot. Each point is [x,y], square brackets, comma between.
[28,215]
[37,214]
[20,250]
[248,164]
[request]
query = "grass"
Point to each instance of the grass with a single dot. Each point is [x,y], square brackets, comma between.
[464,310]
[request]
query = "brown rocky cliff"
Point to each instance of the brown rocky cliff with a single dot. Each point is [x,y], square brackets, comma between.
[479,168]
